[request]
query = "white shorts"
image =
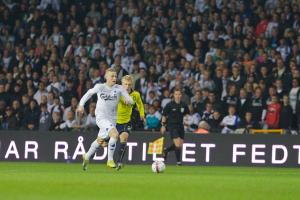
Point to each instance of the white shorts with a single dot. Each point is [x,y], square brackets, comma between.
[105,127]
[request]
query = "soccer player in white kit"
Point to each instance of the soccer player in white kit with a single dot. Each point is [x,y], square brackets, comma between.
[108,95]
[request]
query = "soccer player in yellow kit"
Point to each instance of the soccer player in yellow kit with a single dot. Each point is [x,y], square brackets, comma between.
[124,116]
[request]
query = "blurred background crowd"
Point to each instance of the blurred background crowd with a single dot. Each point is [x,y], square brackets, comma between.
[236,61]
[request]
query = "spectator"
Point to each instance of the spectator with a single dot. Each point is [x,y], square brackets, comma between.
[57,107]
[271,92]
[121,71]
[242,103]
[80,121]
[142,83]
[50,101]
[203,128]
[10,121]
[247,123]
[72,107]
[197,102]
[231,121]
[68,94]
[208,112]
[258,107]
[151,97]
[273,113]
[173,42]
[165,98]
[41,92]
[231,98]
[17,112]
[2,111]
[286,114]
[17,93]
[294,96]
[279,89]
[4,96]
[191,120]
[152,121]
[55,121]
[69,123]
[45,119]
[31,117]
[215,122]
[91,118]
[216,103]
[206,81]
[236,77]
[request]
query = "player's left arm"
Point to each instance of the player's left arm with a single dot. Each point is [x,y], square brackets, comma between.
[140,105]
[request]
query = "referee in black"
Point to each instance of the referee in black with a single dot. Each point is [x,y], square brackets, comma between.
[172,120]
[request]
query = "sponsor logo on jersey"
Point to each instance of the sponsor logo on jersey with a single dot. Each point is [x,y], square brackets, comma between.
[108,97]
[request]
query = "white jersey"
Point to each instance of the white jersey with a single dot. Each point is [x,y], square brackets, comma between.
[230,120]
[108,99]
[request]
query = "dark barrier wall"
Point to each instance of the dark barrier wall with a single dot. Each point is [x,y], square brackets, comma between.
[212,150]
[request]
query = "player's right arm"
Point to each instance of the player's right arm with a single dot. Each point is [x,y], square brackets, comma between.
[87,96]
[163,125]
[127,97]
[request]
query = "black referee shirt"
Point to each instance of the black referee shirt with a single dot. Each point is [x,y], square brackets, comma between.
[175,113]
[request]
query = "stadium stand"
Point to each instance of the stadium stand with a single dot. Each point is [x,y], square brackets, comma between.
[220,52]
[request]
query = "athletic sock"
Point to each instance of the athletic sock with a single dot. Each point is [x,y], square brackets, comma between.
[178,154]
[122,151]
[92,149]
[111,148]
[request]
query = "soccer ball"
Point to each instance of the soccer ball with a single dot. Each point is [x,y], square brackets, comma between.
[158,166]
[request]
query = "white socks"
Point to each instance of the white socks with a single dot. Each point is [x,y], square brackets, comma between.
[92,150]
[111,148]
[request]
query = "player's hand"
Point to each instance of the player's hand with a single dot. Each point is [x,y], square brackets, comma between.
[162,130]
[80,109]
[144,120]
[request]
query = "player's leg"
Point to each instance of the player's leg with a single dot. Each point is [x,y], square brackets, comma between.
[99,142]
[122,149]
[92,150]
[178,146]
[113,134]
[173,135]
[86,157]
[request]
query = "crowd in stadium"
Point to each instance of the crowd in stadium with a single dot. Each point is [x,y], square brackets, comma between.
[236,61]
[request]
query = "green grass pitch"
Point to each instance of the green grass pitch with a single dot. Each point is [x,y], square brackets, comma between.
[68,181]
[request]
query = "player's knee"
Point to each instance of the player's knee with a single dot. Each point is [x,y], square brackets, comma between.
[102,142]
[177,145]
[124,137]
[113,134]
[181,143]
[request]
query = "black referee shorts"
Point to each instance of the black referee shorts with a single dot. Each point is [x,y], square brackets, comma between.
[176,132]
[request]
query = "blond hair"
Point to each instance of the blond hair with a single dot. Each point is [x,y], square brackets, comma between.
[127,78]
[110,70]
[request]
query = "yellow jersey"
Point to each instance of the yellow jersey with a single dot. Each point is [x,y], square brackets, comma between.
[125,110]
